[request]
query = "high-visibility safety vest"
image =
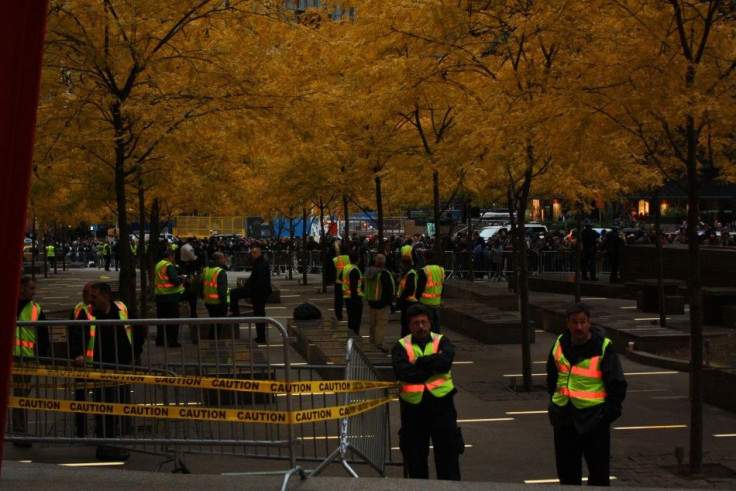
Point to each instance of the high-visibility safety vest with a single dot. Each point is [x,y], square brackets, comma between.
[410,276]
[406,251]
[432,294]
[106,249]
[50,250]
[209,282]
[439,384]
[374,287]
[346,292]
[162,282]
[581,383]
[25,337]
[340,263]
[122,314]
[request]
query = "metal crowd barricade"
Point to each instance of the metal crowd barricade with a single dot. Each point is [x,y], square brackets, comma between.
[165,406]
[366,435]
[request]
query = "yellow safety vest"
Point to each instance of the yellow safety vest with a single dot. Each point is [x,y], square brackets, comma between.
[402,286]
[439,385]
[346,292]
[340,263]
[432,294]
[25,337]
[162,282]
[374,287]
[122,314]
[406,251]
[581,383]
[50,251]
[209,282]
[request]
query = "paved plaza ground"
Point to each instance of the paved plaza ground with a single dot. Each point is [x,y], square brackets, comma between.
[508,437]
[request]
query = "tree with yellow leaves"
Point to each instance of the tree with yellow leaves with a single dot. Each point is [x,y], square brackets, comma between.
[134,90]
[669,88]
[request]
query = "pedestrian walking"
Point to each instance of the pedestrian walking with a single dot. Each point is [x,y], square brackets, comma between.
[258,288]
[379,292]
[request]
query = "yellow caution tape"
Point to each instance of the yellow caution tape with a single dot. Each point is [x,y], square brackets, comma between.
[233,384]
[200,414]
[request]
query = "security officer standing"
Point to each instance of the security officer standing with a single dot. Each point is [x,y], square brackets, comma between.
[340,261]
[352,291]
[406,293]
[107,254]
[430,282]
[106,348]
[51,256]
[169,287]
[587,387]
[30,342]
[422,363]
[215,291]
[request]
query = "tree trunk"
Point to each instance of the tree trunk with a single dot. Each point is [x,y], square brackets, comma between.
[660,268]
[436,213]
[142,249]
[379,213]
[127,261]
[577,251]
[323,244]
[345,249]
[305,262]
[694,290]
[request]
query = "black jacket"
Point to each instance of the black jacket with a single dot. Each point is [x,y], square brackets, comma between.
[425,366]
[585,420]
[111,343]
[258,285]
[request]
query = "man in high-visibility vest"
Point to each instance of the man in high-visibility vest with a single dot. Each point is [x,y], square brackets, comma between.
[430,282]
[81,311]
[29,343]
[352,291]
[169,287]
[106,251]
[587,387]
[51,255]
[422,363]
[406,293]
[106,348]
[380,289]
[215,291]
[340,261]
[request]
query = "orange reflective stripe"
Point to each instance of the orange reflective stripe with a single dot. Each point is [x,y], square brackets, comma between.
[24,343]
[581,394]
[409,350]
[412,388]
[558,356]
[435,383]
[435,343]
[591,371]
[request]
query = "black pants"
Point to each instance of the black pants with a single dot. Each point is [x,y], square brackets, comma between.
[167,310]
[215,310]
[571,448]
[259,310]
[235,295]
[436,419]
[109,426]
[338,300]
[354,308]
